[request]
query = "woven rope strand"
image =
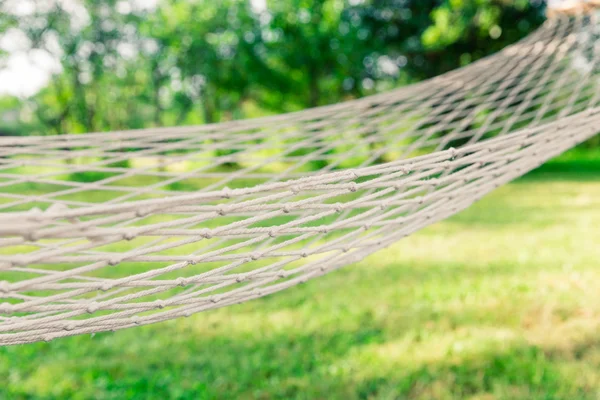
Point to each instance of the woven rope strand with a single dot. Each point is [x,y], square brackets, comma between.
[108,231]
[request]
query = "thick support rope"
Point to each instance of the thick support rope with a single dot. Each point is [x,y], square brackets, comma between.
[106,231]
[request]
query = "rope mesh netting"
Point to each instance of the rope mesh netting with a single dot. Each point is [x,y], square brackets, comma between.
[108,231]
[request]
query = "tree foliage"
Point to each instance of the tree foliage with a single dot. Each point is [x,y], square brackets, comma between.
[123,65]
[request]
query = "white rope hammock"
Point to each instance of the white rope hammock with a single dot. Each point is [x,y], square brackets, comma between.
[108,231]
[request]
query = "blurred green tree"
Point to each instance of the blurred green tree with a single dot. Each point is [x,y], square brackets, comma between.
[125,66]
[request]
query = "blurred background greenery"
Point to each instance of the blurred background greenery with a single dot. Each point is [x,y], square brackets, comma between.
[499,302]
[118,64]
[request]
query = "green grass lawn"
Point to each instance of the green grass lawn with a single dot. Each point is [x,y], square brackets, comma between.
[499,302]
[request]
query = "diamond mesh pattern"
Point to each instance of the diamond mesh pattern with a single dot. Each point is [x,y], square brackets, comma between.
[107,231]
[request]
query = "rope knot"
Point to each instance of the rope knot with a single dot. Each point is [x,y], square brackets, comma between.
[226,193]
[453,152]
[106,287]
[18,262]
[30,236]
[6,308]
[36,214]
[129,236]
[4,287]
[92,308]
[181,282]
